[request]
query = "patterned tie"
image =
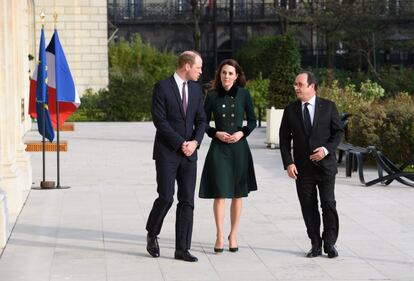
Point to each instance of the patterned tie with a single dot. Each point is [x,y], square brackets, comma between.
[184,98]
[307,119]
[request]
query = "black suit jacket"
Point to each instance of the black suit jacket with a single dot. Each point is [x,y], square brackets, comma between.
[326,132]
[173,126]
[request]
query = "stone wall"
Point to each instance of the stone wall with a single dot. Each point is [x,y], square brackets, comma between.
[82,27]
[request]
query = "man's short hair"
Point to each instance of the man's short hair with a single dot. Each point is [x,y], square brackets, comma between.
[187,57]
[311,77]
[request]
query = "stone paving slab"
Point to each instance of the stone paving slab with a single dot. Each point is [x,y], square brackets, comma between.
[96,229]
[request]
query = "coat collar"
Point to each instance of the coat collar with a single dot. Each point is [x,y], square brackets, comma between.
[232,92]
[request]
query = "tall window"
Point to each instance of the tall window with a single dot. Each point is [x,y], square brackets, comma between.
[183,6]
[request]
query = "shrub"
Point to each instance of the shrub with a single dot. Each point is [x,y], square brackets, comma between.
[284,70]
[89,109]
[258,55]
[134,68]
[392,80]
[258,89]
[347,99]
[371,91]
[396,80]
[128,98]
[388,124]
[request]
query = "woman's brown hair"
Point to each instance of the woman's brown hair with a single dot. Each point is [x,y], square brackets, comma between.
[241,78]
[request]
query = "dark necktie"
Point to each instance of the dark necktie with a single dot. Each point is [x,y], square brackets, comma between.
[307,119]
[184,98]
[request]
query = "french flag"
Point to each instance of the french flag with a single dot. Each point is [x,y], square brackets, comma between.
[60,85]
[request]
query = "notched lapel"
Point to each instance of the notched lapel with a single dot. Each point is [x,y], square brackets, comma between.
[318,109]
[191,97]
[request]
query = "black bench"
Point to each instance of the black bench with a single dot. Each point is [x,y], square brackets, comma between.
[354,160]
[394,172]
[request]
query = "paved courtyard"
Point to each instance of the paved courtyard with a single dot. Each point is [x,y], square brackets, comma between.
[96,229]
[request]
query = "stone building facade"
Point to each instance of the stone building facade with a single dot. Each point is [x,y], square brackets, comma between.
[82,26]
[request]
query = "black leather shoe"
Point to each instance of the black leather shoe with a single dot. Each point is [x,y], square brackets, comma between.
[314,252]
[331,251]
[184,255]
[152,246]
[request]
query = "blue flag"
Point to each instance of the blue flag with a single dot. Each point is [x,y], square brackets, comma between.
[42,109]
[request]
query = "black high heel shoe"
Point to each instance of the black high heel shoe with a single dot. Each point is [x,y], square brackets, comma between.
[232,249]
[218,250]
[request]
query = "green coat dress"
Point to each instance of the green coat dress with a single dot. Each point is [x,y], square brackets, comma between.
[228,169]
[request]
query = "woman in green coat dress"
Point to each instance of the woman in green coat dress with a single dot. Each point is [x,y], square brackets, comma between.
[228,169]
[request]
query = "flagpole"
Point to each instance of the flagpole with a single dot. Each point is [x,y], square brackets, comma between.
[44,183]
[42,16]
[55,16]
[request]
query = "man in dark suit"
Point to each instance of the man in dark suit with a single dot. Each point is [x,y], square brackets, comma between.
[178,115]
[314,126]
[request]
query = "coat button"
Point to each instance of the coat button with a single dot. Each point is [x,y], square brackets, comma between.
[224,106]
[232,105]
[224,115]
[232,115]
[232,124]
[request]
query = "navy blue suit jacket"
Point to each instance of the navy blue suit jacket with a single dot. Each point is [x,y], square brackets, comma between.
[173,126]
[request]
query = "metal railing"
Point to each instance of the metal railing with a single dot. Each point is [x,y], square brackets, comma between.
[247,10]
[242,11]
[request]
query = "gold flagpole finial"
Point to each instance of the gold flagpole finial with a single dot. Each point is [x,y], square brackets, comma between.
[55,17]
[42,18]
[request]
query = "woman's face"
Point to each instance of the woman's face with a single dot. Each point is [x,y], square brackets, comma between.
[228,75]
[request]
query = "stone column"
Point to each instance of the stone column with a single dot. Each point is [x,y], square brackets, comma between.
[22,95]
[4,220]
[8,169]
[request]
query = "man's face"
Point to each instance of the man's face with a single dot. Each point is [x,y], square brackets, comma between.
[303,90]
[194,71]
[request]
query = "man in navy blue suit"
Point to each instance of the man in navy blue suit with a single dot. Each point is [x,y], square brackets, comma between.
[314,126]
[178,115]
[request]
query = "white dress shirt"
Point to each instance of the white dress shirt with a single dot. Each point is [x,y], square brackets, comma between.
[180,82]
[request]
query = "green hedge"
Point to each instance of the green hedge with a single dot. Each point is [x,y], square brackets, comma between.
[277,58]
[387,123]
[258,56]
[392,80]
[285,68]
[134,68]
[258,89]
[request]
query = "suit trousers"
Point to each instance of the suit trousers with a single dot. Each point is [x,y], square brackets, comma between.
[307,187]
[184,172]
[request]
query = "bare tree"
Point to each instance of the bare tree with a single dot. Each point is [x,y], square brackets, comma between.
[196,6]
